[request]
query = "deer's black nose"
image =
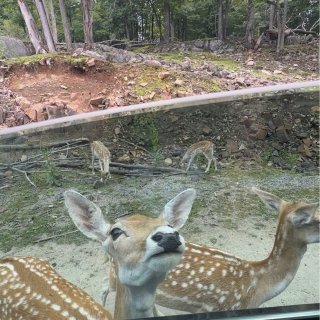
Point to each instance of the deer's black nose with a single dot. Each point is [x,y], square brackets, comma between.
[168,241]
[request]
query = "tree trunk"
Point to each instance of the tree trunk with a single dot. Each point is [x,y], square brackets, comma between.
[220,21]
[53,22]
[65,24]
[87,6]
[249,40]
[31,27]
[166,10]
[171,27]
[271,16]
[45,25]
[281,24]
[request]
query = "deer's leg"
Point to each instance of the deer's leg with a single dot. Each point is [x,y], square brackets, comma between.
[105,294]
[209,164]
[101,169]
[215,164]
[107,167]
[92,160]
[189,163]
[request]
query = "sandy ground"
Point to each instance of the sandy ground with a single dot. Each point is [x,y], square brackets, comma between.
[86,265]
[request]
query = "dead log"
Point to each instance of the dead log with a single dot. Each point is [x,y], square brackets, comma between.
[38,146]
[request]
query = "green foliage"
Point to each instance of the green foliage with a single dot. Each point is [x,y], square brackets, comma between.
[266,155]
[145,124]
[52,175]
[140,19]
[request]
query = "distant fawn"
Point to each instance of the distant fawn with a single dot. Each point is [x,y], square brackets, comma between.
[100,151]
[208,279]
[202,147]
[143,249]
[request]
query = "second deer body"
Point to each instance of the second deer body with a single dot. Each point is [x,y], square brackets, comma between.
[209,279]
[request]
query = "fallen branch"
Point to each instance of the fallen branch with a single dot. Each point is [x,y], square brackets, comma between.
[136,146]
[25,174]
[38,146]
[145,167]
[55,236]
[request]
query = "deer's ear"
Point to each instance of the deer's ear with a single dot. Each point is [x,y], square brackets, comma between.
[269,199]
[305,215]
[176,211]
[86,216]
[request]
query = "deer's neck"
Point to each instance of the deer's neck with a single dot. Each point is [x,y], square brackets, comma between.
[277,271]
[134,302]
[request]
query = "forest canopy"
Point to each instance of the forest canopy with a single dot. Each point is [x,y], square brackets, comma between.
[156,20]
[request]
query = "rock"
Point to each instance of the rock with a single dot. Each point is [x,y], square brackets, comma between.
[315,109]
[268,73]
[153,63]
[23,102]
[277,72]
[250,63]
[124,158]
[302,135]
[91,62]
[199,43]
[282,134]
[168,161]
[261,134]
[117,130]
[96,101]
[74,96]
[143,84]
[54,112]
[206,130]
[179,82]
[8,173]
[215,45]
[24,158]
[186,65]
[163,75]
[77,52]
[62,86]
[276,146]
[181,94]
[232,146]
[307,142]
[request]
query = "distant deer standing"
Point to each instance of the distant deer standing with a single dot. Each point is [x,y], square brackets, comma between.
[100,151]
[202,147]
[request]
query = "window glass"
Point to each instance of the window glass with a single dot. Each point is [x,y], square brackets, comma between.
[264,138]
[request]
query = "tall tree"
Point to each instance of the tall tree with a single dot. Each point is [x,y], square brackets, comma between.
[87,7]
[53,21]
[249,36]
[166,13]
[31,27]
[65,24]
[45,25]
[281,24]
[223,8]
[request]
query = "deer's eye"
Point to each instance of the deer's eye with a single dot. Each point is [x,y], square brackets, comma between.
[116,233]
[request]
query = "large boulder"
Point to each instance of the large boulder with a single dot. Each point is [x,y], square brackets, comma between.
[13,47]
